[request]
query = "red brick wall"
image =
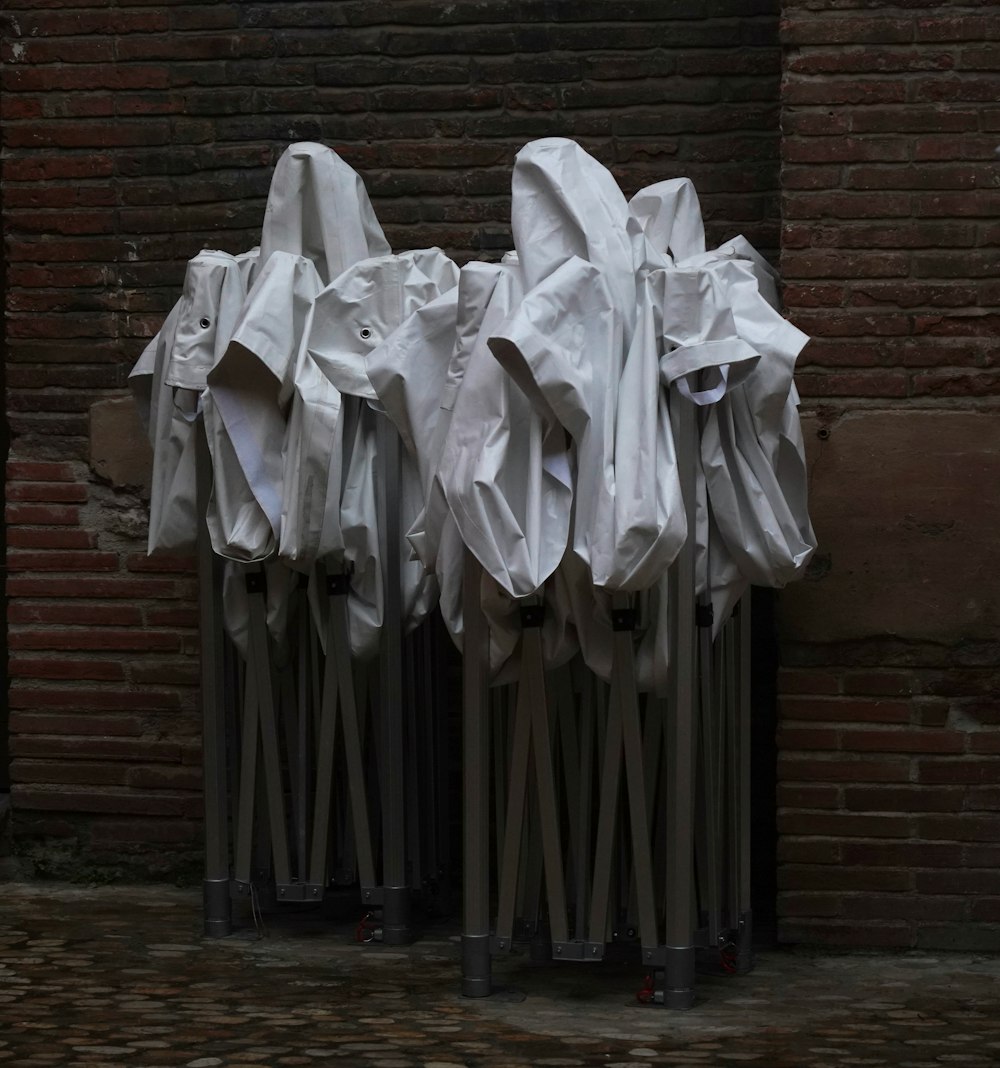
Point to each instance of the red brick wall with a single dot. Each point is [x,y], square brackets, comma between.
[890,734]
[136,133]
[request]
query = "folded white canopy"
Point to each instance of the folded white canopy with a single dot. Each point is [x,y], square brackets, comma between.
[332,443]
[532,399]
[317,223]
[753,518]
[168,381]
[474,438]
[584,346]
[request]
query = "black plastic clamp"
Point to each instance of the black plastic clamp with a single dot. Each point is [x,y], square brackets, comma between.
[256,582]
[338,585]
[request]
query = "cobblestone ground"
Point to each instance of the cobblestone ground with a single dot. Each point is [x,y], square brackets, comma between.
[122,976]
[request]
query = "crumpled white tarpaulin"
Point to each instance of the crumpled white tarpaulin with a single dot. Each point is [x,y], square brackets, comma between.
[533,399]
[168,381]
[331,479]
[318,222]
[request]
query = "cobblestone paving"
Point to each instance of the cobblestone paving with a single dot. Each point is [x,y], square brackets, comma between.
[121,976]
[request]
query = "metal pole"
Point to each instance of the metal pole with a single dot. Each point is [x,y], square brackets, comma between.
[215,887]
[548,805]
[288,715]
[247,789]
[260,665]
[566,726]
[513,830]
[476,963]
[584,803]
[499,716]
[709,779]
[624,680]
[680,733]
[607,821]
[395,887]
[317,876]
[744,960]
[339,649]
[727,681]
[303,749]
[416,715]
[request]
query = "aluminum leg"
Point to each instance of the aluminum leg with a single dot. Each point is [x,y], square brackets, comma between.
[325,748]
[217,911]
[442,746]
[247,792]
[499,714]
[412,776]
[395,889]
[425,726]
[652,746]
[529,922]
[624,680]
[288,716]
[548,805]
[339,693]
[259,664]
[567,728]
[353,753]
[657,707]
[476,963]
[726,662]
[679,958]
[584,803]
[607,822]
[517,786]
[744,961]
[708,779]
[302,749]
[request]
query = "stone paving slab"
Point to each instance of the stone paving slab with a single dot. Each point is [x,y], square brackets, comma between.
[103,977]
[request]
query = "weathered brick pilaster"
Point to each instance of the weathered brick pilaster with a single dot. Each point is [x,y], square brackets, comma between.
[890,736]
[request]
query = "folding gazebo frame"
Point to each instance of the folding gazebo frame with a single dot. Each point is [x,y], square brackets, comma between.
[291,727]
[659,876]
[693,830]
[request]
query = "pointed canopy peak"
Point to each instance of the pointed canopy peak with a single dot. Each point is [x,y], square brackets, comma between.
[670,215]
[318,208]
[566,203]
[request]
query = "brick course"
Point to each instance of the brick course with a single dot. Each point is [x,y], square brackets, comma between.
[102,697]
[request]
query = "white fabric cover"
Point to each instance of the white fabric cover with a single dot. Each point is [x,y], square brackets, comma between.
[318,208]
[482,450]
[532,399]
[584,349]
[317,222]
[504,473]
[168,380]
[357,312]
[246,406]
[753,523]
[348,320]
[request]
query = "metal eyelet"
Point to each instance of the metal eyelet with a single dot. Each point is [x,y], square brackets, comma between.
[204,322]
[365,333]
